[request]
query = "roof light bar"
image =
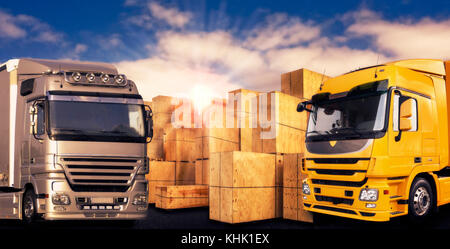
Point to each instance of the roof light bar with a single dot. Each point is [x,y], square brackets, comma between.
[96,79]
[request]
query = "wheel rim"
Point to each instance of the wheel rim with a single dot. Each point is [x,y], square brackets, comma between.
[28,207]
[422,201]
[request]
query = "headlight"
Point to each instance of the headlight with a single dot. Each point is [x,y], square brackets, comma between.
[60,199]
[140,199]
[305,188]
[369,194]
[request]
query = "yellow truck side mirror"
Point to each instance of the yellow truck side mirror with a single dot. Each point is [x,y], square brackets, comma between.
[406,109]
[405,124]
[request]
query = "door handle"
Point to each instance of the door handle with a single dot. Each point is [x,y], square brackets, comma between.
[32,160]
[417,159]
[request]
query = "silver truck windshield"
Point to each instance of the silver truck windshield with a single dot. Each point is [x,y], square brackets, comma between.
[347,117]
[96,121]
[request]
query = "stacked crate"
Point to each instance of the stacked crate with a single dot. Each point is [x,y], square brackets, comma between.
[162,107]
[293,176]
[243,187]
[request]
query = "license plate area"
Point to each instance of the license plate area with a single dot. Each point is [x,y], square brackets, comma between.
[102,200]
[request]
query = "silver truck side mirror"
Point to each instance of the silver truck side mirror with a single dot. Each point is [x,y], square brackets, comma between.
[149,119]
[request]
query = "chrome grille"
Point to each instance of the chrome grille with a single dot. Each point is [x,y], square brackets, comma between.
[100,174]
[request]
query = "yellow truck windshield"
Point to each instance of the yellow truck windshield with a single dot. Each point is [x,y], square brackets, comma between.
[347,117]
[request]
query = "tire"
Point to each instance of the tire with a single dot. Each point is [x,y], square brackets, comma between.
[29,213]
[421,200]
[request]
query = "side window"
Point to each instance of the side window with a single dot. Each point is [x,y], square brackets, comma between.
[40,128]
[398,101]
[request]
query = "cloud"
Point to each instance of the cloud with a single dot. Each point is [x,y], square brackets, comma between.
[21,26]
[172,16]
[424,38]
[154,13]
[254,58]
[280,30]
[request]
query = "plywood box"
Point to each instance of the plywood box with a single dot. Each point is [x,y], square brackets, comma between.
[163,104]
[185,172]
[281,139]
[161,171]
[281,108]
[152,184]
[302,83]
[242,169]
[176,197]
[178,150]
[209,145]
[155,149]
[202,172]
[292,189]
[236,205]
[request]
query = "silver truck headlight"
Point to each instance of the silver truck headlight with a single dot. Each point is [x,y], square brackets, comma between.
[368,194]
[140,199]
[60,199]
[305,189]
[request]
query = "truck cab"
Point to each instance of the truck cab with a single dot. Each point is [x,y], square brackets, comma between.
[377,142]
[74,142]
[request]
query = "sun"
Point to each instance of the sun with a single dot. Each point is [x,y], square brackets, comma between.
[202,96]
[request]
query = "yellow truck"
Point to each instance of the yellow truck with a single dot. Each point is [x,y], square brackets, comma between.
[377,143]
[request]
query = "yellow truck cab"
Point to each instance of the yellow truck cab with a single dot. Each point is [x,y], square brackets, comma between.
[377,143]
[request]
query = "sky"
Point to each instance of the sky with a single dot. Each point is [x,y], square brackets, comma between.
[173,47]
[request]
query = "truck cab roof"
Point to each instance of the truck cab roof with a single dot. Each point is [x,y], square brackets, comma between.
[39,66]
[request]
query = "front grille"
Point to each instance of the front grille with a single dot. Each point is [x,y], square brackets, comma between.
[100,174]
[334,200]
[339,183]
[341,172]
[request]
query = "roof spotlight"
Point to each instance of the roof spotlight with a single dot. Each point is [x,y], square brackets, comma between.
[90,77]
[76,76]
[119,79]
[105,78]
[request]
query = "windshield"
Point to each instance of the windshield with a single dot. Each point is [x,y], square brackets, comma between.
[96,121]
[347,117]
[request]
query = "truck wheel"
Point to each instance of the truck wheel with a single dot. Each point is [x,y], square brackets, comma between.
[421,200]
[29,206]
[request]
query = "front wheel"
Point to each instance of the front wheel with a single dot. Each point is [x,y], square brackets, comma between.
[421,200]
[29,207]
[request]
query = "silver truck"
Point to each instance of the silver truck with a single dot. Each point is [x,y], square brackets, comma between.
[73,142]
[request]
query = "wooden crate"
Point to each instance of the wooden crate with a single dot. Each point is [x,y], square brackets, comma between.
[163,104]
[179,150]
[202,172]
[209,145]
[283,108]
[286,140]
[161,171]
[236,205]
[292,189]
[185,172]
[152,188]
[155,149]
[242,169]
[176,197]
[302,83]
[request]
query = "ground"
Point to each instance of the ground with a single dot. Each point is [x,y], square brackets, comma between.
[198,218]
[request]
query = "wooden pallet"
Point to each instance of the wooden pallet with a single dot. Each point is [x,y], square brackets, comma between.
[177,197]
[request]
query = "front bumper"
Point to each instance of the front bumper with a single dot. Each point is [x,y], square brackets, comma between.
[106,205]
[344,201]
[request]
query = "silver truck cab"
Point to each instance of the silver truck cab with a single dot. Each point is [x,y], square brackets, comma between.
[74,142]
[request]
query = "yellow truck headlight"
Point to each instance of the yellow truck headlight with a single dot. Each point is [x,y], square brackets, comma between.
[368,194]
[305,189]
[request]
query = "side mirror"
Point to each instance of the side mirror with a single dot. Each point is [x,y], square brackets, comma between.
[149,119]
[405,124]
[406,108]
[302,107]
[37,119]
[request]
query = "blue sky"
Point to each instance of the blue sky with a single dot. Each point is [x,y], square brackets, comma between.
[222,45]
